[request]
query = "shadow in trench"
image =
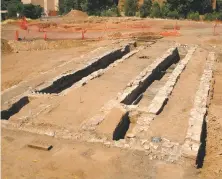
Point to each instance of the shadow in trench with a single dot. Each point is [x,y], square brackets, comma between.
[202,150]
[15,108]
[122,128]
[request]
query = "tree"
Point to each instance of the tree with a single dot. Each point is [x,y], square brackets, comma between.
[32,11]
[71,4]
[219,5]
[155,10]
[186,6]
[130,7]
[145,8]
[206,6]
[165,9]
[95,7]
[13,7]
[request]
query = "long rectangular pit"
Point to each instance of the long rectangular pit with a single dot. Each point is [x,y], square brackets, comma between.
[102,62]
[15,108]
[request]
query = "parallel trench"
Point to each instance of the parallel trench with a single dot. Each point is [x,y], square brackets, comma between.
[139,97]
[67,81]
[157,74]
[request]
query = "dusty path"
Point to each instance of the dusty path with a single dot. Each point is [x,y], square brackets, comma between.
[172,122]
[85,102]
[212,167]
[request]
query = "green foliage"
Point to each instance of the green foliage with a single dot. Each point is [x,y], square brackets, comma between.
[12,11]
[155,10]
[112,12]
[173,15]
[184,7]
[206,6]
[92,7]
[95,7]
[71,4]
[32,11]
[145,8]
[213,16]
[194,16]
[219,16]
[219,5]
[165,9]
[130,7]
[61,7]
[13,7]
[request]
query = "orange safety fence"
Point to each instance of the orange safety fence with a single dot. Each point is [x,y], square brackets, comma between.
[170,33]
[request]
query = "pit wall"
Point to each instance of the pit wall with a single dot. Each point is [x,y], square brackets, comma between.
[63,82]
[135,87]
[150,74]
[197,121]
[157,104]
[92,70]
[162,96]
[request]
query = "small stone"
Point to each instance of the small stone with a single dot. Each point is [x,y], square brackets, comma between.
[146,147]
[143,142]
[130,135]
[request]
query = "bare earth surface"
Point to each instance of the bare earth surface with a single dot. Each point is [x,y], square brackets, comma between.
[32,62]
[213,161]
[176,113]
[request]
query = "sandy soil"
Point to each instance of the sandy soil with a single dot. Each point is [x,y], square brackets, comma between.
[175,114]
[79,160]
[72,159]
[87,100]
[212,167]
[15,70]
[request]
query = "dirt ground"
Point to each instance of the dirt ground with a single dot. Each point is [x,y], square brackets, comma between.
[31,62]
[175,115]
[213,160]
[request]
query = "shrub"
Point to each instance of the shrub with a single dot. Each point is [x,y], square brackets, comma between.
[130,7]
[173,15]
[145,8]
[194,16]
[32,11]
[219,16]
[155,10]
[112,12]
[213,16]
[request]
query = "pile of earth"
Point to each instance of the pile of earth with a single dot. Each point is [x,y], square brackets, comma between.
[77,14]
[5,47]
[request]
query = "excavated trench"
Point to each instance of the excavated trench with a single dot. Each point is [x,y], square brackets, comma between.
[122,127]
[153,82]
[15,108]
[157,74]
[67,81]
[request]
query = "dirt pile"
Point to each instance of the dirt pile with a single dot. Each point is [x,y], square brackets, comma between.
[5,47]
[77,14]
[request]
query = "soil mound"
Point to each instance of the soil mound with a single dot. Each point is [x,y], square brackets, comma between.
[6,48]
[77,14]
